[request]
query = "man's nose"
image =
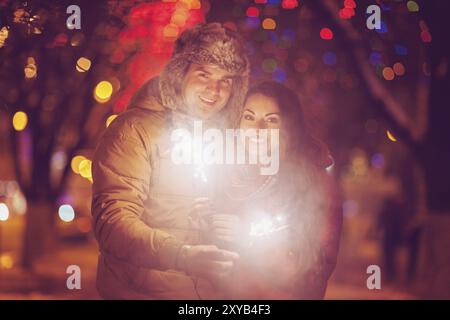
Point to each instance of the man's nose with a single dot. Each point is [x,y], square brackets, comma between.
[213,86]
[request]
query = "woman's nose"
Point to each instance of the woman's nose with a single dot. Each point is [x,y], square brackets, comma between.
[261,124]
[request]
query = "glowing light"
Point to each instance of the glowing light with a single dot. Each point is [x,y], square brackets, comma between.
[4,32]
[266,226]
[191,4]
[6,261]
[425,35]
[289,4]
[20,120]
[391,136]
[388,73]
[171,31]
[110,119]
[399,69]
[346,13]
[83,64]
[4,212]
[326,34]
[269,24]
[66,213]
[412,6]
[103,91]
[252,12]
[85,168]
[179,18]
[75,163]
[30,69]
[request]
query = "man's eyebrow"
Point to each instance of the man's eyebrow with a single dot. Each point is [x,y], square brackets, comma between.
[249,111]
[201,69]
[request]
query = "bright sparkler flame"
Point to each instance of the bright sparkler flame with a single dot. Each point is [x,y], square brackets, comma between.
[267,226]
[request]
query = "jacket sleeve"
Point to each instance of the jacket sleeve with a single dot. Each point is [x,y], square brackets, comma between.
[121,176]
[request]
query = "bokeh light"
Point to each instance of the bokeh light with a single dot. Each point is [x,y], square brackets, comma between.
[252,12]
[83,64]
[399,69]
[289,4]
[391,136]
[103,91]
[326,34]
[388,73]
[4,212]
[412,6]
[66,213]
[75,163]
[110,119]
[269,24]
[20,121]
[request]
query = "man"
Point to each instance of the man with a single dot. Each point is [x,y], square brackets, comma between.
[149,247]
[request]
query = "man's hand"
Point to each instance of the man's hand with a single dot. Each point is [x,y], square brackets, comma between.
[206,261]
[225,230]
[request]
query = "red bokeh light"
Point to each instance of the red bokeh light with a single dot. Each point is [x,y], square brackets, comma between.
[326,34]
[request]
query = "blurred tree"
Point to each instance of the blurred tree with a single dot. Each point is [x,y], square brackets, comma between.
[58,86]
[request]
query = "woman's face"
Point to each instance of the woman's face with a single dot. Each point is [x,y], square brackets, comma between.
[262,112]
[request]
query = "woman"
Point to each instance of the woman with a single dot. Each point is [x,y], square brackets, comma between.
[285,226]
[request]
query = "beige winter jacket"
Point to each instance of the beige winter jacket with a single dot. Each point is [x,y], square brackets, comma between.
[140,208]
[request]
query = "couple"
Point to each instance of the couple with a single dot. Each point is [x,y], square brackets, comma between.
[159,240]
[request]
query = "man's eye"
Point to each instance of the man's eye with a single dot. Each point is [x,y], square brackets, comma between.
[227,82]
[248,117]
[203,75]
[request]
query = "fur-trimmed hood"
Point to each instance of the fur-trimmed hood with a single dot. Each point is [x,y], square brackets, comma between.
[203,44]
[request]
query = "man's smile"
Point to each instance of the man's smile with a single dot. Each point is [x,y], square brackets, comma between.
[208,101]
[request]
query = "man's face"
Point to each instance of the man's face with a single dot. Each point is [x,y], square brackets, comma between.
[206,90]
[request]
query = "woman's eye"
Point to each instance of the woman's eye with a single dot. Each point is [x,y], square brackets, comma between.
[272,120]
[248,117]
[203,75]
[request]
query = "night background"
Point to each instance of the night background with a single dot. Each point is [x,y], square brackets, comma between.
[380,99]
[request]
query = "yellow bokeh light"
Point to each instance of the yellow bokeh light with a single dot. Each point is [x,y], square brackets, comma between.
[75,163]
[6,261]
[179,18]
[20,120]
[83,64]
[391,136]
[192,4]
[170,31]
[103,91]
[110,119]
[85,168]
[269,24]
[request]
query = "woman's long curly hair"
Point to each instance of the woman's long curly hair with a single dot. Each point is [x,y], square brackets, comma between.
[303,179]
